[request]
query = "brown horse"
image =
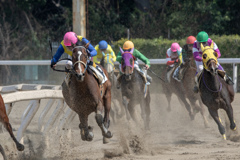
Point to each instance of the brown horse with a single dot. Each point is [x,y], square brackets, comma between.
[215,92]
[184,90]
[84,95]
[4,119]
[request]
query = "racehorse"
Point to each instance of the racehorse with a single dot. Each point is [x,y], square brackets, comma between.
[116,93]
[4,119]
[132,88]
[84,95]
[184,90]
[215,92]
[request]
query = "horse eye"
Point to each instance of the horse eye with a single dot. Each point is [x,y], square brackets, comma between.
[204,56]
[215,54]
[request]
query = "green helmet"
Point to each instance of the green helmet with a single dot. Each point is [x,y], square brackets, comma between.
[202,36]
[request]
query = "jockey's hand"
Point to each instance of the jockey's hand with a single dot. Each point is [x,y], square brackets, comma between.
[177,61]
[53,64]
[147,67]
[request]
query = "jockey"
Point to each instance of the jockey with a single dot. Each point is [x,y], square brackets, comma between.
[69,41]
[127,46]
[203,38]
[174,56]
[103,49]
[187,48]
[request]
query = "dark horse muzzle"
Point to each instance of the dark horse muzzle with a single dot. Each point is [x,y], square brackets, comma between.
[212,66]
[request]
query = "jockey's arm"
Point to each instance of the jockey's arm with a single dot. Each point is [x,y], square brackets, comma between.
[119,57]
[92,50]
[196,52]
[98,56]
[58,54]
[139,55]
[215,48]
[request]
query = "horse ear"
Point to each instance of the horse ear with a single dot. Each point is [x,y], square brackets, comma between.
[87,45]
[121,50]
[211,46]
[132,50]
[202,48]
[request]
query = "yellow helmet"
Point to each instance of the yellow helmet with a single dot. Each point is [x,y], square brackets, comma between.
[128,45]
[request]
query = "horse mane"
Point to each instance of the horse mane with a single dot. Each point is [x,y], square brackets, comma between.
[80,43]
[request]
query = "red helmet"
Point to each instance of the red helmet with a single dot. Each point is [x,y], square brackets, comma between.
[190,40]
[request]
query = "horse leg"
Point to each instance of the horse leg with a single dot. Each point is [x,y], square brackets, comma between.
[104,123]
[3,153]
[229,111]
[86,131]
[187,106]
[126,103]
[214,114]
[202,111]
[145,111]
[197,108]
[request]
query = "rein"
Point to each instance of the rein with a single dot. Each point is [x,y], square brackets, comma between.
[220,88]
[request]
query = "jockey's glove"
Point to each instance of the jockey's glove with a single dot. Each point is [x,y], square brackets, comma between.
[176,61]
[52,63]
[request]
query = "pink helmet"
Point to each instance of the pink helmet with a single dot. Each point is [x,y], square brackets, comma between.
[174,47]
[69,38]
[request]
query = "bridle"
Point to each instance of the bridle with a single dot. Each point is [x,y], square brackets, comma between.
[82,74]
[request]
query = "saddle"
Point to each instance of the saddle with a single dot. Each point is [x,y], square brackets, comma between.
[98,74]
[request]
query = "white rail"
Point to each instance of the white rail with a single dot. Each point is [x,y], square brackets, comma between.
[233,61]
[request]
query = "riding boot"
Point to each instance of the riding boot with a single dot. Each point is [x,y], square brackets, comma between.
[149,79]
[228,79]
[176,74]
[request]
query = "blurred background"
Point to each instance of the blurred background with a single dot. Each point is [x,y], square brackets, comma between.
[27,26]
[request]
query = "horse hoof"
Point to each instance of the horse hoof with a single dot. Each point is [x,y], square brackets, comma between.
[20,147]
[108,134]
[106,140]
[224,137]
[90,136]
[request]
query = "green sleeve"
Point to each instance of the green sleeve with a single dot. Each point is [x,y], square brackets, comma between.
[119,57]
[140,56]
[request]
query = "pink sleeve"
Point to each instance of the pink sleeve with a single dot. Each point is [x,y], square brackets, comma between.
[218,52]
[196,53]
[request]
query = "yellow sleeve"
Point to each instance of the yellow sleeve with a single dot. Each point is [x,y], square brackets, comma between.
[180,57]
[95,58]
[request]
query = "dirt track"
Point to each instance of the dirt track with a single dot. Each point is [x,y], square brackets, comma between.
[172,137]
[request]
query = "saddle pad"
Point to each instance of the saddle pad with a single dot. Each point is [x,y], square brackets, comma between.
[99,74]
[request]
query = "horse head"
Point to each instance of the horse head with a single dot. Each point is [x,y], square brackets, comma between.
[107,64]
[209,58]
[127,63]
[79,59]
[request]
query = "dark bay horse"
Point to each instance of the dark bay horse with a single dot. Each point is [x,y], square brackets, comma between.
[132,87]
[215,92]
[84,95]
[4,119]
[184,90]
[108,65]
